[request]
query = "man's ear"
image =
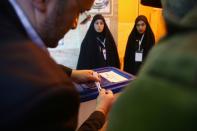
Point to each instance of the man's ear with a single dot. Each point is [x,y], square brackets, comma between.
[40,5]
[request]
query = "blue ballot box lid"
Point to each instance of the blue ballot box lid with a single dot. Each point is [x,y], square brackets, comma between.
[118,80]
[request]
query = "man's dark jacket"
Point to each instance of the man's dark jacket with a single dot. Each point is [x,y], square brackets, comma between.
[35,93]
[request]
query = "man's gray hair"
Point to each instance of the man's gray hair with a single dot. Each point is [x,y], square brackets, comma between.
[178,11]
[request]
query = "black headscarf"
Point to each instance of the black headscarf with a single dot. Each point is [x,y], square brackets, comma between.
[91,55]
[130,65]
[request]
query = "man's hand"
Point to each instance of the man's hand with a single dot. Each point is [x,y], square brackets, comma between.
[104,101]
[82,76]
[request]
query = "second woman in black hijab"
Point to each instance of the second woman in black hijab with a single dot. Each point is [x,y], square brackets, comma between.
[140,41]
[98,48]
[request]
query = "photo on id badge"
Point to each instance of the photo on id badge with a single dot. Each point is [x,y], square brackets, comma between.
[139,56]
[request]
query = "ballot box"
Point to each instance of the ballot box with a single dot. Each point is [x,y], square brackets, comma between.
[111,78]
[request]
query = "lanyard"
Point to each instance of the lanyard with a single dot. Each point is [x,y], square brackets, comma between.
[140,42]
[103,49]
[103,43]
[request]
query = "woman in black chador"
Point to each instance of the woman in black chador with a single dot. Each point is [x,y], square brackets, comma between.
[98,48]
[140,41]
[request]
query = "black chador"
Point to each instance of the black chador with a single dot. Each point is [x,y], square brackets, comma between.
[138,46]
[98,49]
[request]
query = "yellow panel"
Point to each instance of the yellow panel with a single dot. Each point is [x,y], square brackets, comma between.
[127,10]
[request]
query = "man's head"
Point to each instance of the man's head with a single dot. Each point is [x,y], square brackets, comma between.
[53,18]
[179,14]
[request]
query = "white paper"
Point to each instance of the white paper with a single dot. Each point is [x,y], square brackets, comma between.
[112,76]
[138,57]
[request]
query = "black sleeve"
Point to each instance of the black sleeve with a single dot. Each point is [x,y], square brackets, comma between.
[128,55]
[95,122]
[115,55]
[67,70]
[55,109]
[84,61]
[149,46]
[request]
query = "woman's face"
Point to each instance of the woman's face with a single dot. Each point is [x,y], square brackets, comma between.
[141,26]
[99,25]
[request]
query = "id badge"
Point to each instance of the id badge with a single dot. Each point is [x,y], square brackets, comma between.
[104,54]
[138,56]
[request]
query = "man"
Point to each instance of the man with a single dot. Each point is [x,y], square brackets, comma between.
[164,97]
[35,92]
